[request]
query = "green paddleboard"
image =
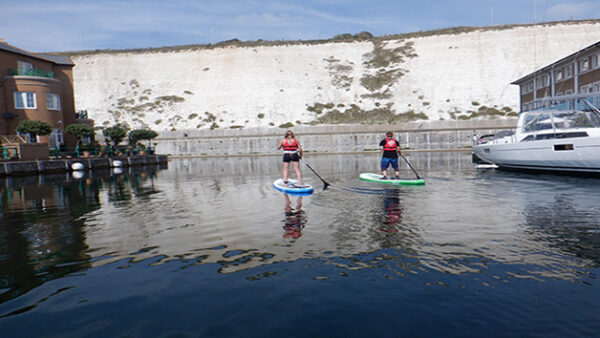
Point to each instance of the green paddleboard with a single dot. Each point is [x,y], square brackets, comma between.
[370,177]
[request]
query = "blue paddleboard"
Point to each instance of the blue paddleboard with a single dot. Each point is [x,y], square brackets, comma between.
[292,187]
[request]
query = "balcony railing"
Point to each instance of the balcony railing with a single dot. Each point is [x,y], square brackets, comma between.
[11,139]
[30,72]
[568,102]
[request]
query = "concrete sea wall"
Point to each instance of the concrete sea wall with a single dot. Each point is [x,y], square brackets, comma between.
[425,136]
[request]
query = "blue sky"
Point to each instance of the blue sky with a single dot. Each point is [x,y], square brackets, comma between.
[61,25]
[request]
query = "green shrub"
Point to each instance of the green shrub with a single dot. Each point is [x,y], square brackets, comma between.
[286,125]
[141,134]
[34,128]
[80,131]
[115,134]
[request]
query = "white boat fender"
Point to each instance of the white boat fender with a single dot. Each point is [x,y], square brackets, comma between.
[117,163]
[77,174]
[77,166]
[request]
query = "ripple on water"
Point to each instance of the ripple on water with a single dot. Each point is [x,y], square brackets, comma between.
[500,246]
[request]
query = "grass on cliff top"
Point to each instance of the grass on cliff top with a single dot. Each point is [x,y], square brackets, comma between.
[354,114]
[365,36]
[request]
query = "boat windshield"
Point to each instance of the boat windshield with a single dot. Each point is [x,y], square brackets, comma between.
[558,120]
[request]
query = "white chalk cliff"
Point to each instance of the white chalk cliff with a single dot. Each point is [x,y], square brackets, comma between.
[446,75]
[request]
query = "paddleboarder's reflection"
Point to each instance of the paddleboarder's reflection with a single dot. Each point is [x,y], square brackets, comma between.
[393,211]
[295,218]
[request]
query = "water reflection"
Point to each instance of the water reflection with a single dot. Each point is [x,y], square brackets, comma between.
[295,218]
[224,211]
[393,211]
[572,226]
[43,233]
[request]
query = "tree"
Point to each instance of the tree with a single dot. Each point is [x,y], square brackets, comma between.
[141,134]
[34,128]
[115,134]
[80,131]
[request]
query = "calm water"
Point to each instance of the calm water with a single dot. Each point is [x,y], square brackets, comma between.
[208,247]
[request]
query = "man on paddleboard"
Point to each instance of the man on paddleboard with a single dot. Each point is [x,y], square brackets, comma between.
[391,150]
[292,152]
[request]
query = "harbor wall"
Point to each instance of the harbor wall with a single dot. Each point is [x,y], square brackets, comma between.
[8,168]
[417,136]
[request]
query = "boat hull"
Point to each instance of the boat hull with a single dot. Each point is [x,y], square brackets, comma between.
[579,155]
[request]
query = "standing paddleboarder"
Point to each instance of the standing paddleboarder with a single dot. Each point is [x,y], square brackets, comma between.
[391,150]
[292,152]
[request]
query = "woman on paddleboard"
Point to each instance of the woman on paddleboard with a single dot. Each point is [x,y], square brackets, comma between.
[292,152]
[391,150]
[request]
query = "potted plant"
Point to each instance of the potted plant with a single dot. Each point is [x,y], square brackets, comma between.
[80,131]
[141,134]
[34,128]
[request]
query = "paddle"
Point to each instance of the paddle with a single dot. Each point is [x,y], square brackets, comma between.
[325,184]
[411,167]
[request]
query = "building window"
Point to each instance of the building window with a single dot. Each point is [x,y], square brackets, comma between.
[568,71]
[584,65]
[52,101]
[585,89]
[595,61]
[56,138]
[596,86]
[558,75]
[24,67]
[25,100]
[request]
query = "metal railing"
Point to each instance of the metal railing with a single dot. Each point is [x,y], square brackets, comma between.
[567,102]
[30,72]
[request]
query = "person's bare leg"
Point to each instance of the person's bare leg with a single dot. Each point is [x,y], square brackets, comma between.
[286,168]
[296,166]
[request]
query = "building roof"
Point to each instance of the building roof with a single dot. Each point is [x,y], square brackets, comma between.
[56,59]
[59,59]
[549,67]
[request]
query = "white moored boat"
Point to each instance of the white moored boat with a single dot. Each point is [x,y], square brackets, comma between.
[547,140]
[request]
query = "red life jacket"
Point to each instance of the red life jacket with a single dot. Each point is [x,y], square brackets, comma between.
[390,145]
[290,147]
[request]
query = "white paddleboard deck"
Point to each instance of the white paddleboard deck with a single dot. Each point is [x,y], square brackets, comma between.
[371,177]
[292,186]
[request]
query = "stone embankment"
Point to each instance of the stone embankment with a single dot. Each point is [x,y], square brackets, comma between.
[65,165]
[417,136]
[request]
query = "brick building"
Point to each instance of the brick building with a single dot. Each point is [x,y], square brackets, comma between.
[574,76]
[37,87]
